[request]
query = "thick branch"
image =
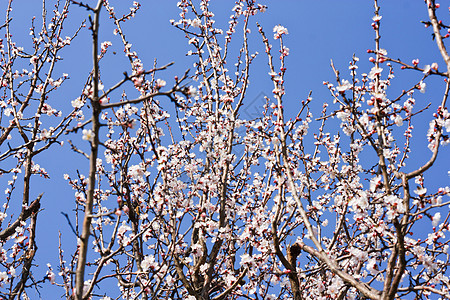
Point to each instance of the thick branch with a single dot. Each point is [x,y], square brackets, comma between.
[24,215]
[81,264]
[437,34]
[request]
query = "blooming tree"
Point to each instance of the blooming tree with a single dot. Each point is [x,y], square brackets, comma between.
[186,199]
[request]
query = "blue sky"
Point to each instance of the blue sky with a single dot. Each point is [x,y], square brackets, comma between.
[318,31]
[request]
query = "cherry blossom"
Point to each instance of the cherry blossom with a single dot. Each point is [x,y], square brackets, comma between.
[88,135]
[422,86]
[182,194]
[77,103]
[279,31]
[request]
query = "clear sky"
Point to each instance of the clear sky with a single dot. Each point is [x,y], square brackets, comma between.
[318,31]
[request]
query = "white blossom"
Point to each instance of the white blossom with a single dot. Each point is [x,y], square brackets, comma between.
[88,135]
